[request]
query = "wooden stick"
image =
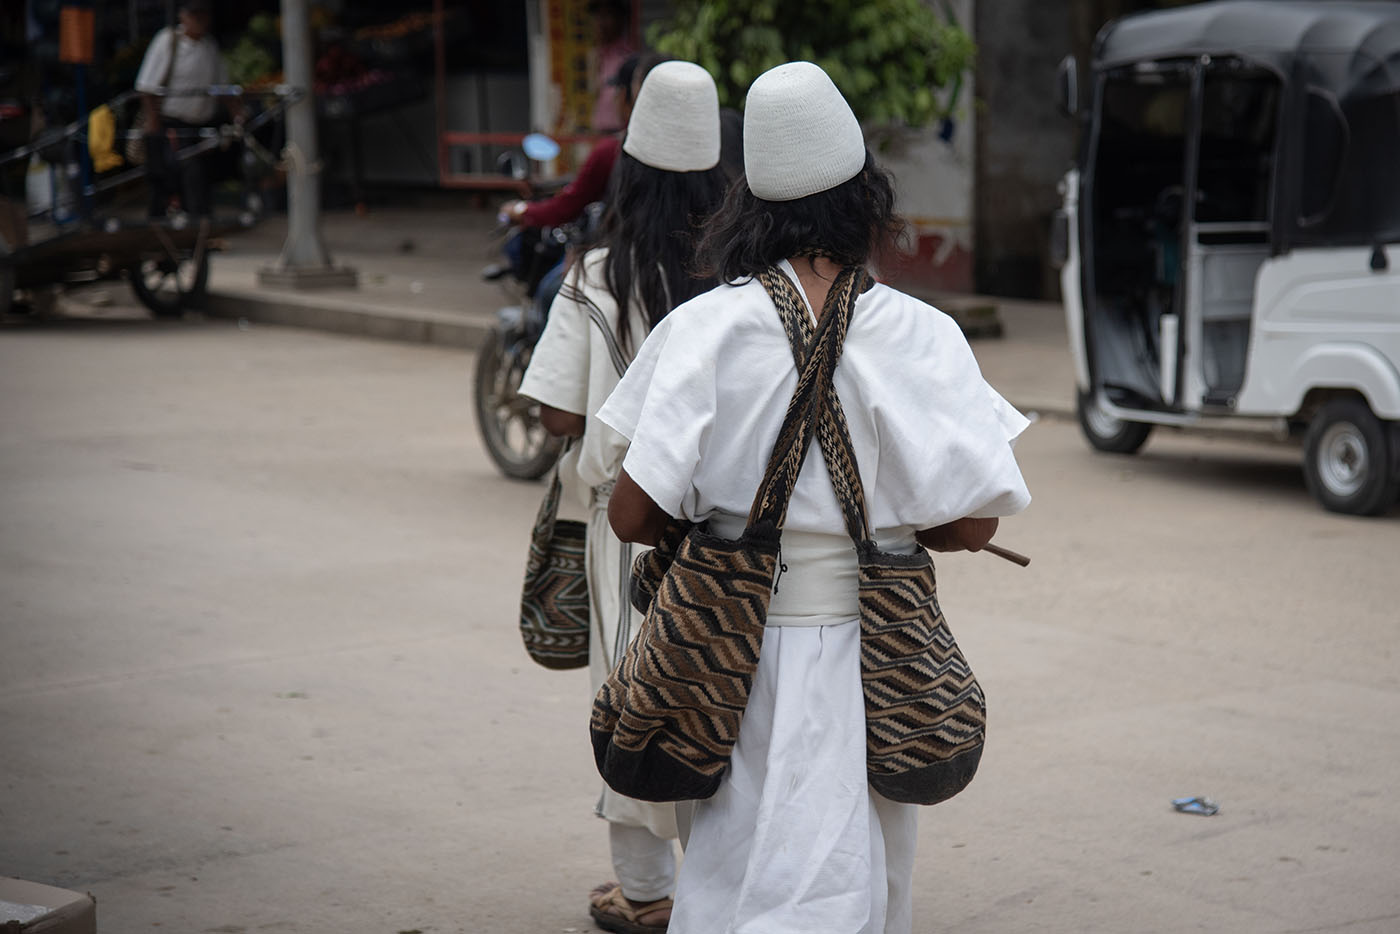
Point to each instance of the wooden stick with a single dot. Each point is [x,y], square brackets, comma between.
[1015,557]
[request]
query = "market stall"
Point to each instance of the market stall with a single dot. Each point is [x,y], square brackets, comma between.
[409,92]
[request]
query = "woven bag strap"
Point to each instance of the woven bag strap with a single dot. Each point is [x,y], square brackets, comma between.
[799,423]
[833,433]
[174,50]
[549,506]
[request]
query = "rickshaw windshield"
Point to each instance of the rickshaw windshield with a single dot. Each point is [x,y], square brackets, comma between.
[1335,67]
[1347,188]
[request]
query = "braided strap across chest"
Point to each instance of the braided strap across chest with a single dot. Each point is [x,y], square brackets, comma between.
[665,721]
[925,713]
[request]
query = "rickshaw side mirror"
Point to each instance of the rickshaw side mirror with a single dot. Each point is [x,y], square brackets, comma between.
[1067,86]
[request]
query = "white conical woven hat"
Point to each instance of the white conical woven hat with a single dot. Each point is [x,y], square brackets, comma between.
[800,136]
[675,122]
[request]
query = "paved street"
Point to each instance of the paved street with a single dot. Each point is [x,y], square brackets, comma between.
[259,671]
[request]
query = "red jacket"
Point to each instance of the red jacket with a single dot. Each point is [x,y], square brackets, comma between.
[590,185]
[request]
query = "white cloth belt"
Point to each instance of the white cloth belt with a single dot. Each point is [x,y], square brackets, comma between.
[821,583]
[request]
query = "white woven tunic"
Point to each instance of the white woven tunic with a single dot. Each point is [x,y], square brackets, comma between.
[795,841]
[704,398]
[574,367]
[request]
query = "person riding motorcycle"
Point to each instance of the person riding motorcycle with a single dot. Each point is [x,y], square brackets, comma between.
[588,187]
[538,259]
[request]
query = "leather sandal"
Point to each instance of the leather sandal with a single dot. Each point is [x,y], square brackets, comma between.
[613,911]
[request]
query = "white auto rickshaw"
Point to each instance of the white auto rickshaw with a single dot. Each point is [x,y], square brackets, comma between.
[1227,237]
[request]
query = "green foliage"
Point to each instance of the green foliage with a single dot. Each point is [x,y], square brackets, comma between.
[254,56]
[249,60]
[888,57]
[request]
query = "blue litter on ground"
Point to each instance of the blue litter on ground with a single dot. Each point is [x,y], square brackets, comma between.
[1196,805]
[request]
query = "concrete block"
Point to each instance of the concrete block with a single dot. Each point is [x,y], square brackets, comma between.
[33,908]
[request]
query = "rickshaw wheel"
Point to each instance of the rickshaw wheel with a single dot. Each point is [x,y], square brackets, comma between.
[1347,459]
[1106,432]
[167,287]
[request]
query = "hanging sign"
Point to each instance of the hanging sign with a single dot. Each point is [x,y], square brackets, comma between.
[76,35]
[570,37]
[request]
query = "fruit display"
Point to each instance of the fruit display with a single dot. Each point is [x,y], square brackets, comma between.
[341,73]
[254,57]
[248,61]
[362,82]
[336,70]
[356,71]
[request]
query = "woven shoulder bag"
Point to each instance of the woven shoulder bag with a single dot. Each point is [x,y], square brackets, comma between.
[554,616]
[665,721]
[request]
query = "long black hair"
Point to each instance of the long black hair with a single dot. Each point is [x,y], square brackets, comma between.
[650,228]
[849,224]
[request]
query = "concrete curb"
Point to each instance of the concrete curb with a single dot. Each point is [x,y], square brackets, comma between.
[342,316]
[347,315]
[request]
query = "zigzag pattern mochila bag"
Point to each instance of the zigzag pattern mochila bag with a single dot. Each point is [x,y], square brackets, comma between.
[554,614]
[665,721]
[554,601]
[925,714]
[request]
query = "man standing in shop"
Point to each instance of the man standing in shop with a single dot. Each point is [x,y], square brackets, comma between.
[180,64]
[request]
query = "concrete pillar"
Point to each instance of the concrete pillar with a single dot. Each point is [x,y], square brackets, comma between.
[305,262]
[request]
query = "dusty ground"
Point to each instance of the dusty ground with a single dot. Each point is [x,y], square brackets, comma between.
[258,670]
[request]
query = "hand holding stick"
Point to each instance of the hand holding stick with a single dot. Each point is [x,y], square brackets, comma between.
[1015,557]
[967,534]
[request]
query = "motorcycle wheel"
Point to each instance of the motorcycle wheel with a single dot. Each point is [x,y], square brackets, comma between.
[509,422]
[168,287]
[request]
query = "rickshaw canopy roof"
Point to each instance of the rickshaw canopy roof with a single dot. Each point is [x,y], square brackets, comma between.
[1348,47]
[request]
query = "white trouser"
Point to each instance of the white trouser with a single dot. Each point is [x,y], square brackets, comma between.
[645,864]
[640,832]
[794,841]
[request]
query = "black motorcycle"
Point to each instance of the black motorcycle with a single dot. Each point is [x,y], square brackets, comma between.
[509,422]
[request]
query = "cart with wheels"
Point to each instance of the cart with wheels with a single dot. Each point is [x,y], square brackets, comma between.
[94,228]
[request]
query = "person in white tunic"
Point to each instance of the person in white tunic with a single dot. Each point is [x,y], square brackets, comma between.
[666,181]
[795,841]
[180,65]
